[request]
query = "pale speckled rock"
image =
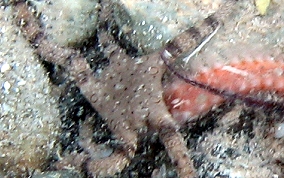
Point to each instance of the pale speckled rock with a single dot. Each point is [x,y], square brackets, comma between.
[30,121]
[58,174]
[68,22]
[148,24]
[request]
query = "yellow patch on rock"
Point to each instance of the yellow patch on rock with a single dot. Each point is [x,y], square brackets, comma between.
[262,6]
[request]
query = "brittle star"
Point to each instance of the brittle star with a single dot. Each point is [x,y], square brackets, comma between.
[128,94]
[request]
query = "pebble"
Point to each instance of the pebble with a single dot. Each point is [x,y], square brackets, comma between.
[5,67]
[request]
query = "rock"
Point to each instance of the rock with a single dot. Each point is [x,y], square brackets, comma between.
[149,24]
[68,22]
[30,119]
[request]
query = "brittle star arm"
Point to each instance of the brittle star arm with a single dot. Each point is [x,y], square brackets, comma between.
[94,90]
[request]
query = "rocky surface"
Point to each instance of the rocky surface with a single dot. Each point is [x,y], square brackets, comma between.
[224,149]
[149,24]
[29,124]
[68,22]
